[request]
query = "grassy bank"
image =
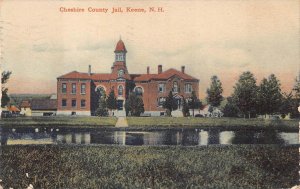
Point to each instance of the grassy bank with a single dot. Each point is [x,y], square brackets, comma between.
[195,122]
[150,123]
[240,166]
[59,121]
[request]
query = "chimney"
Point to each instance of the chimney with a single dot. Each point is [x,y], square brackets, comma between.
[182,69]
[148,69]
[90,70]
[159,69]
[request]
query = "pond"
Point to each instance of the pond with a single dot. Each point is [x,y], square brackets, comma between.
[185,137]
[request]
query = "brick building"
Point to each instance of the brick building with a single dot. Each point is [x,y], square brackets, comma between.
[78,93]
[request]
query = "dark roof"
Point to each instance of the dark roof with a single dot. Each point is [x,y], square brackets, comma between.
[44,104]
[25,104]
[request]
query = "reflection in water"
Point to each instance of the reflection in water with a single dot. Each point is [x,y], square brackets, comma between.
[203,138]
[226,136]
[170,137]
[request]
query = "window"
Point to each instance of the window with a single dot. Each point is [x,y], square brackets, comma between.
[175,87]
[161,87]
[82,103]
[138,91]
[120,73]
[120,90]
[161,101]
[64,88]
[188,88]
[82,88]
[73,103]
[73,88]
[64,102]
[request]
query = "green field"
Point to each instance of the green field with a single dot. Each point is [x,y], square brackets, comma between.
[209,122]
[239,166]
[149,123]
[59,121]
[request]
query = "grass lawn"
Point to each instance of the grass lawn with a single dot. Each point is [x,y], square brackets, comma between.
[59,121]
[238,166]
[209,122]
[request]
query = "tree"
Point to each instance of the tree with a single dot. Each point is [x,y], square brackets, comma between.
[214,92]
[111,101]
[245,94]
[102,109]
[4,79]
[296,102]
[134,104]
[170,104]
[230,109]
[269,96]
[185,108]
[194,102]
[287,104]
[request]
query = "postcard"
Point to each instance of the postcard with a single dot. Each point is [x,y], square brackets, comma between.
[149,94]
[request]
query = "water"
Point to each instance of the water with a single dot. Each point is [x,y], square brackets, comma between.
[190,137]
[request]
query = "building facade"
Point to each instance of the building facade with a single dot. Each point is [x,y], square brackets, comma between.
[78,93]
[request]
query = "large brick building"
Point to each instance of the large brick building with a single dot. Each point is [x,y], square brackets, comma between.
[78,93]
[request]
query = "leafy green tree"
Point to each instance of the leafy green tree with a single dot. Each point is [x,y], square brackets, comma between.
[296,101]
[102,109]
[194,102]
[214,92]
[4,79]
[245,94]
[230,109]
[111,100]
[134,104]
[269,96]
[170,104]
[185,108]
[287,104]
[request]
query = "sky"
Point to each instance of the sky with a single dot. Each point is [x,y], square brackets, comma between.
[223,38]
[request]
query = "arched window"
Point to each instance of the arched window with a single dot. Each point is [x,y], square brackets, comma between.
[138,91]
[120,90]
[175,87]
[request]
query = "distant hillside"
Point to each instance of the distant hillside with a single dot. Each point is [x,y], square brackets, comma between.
[16,99]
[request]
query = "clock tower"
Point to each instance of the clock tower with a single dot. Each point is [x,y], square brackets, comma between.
[119,68]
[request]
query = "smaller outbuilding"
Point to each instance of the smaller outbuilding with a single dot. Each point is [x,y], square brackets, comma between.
[43,107]
[25,108]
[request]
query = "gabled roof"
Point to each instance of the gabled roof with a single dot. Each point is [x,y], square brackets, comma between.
[13,109]
[172,72]
[162,76]
[44,104]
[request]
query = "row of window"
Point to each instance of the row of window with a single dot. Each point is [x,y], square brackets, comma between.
[74,86]
[73,103]
[187,87]
[161,88]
